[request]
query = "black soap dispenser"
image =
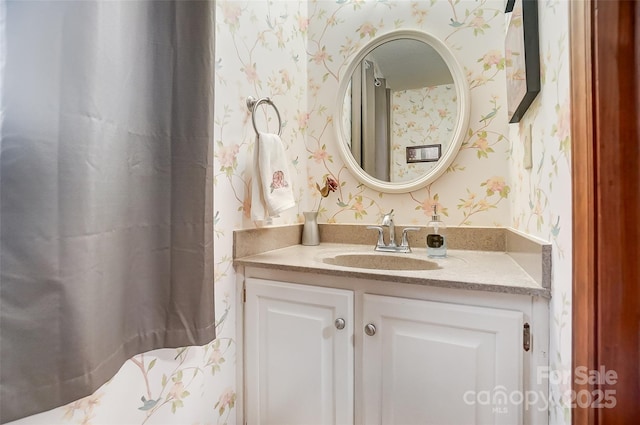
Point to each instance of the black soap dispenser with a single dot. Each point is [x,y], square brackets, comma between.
[436,237]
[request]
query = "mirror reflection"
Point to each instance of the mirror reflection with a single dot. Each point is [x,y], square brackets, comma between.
[400,110]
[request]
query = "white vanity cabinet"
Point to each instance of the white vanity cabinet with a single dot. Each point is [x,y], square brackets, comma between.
[298,354]
[407,354]
[424,362]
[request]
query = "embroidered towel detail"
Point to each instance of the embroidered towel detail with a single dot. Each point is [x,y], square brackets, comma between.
[278,181]
[271,191]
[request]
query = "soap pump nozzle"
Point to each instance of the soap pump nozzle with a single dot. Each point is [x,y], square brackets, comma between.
[435,216]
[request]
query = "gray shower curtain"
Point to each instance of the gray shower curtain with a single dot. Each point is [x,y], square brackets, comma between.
[106,191]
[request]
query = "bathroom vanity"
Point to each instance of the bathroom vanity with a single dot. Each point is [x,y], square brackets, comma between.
[464,340]
[340,334]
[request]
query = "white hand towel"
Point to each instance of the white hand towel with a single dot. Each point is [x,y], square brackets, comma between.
[271,190]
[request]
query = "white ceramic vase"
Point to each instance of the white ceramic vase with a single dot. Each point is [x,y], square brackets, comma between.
[310,230]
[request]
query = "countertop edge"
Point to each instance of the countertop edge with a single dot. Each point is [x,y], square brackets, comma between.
[364,274]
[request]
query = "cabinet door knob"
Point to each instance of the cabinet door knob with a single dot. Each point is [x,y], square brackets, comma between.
[340,323]
[370,329]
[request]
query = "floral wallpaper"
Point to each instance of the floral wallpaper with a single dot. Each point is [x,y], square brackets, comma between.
[420,117]
[541,196]
[296,52]
[475,188]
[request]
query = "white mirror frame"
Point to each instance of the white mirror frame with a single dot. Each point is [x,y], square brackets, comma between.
[459,132]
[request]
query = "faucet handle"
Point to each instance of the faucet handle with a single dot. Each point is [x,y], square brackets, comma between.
[405,238]
[387,219]
[380,234]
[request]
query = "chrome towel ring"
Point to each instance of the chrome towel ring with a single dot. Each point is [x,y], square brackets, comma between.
[253,104]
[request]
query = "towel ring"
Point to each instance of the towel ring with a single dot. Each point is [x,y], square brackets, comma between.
[253,104]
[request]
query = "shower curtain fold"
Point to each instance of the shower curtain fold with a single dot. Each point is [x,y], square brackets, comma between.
[106,191]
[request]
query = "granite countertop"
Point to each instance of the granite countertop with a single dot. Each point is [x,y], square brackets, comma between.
[492,271]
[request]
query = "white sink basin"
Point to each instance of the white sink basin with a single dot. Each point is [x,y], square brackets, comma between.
[380,262]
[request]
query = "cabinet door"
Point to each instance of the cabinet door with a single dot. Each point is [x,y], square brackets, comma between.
[299,365]
[438,363]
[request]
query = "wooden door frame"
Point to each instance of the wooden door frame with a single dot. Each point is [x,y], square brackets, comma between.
[583,200]
[605,101]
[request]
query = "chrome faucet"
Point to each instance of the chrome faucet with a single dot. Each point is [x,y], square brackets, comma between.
[392,246]
[387,221]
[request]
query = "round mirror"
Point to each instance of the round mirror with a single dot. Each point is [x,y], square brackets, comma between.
[403,109]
